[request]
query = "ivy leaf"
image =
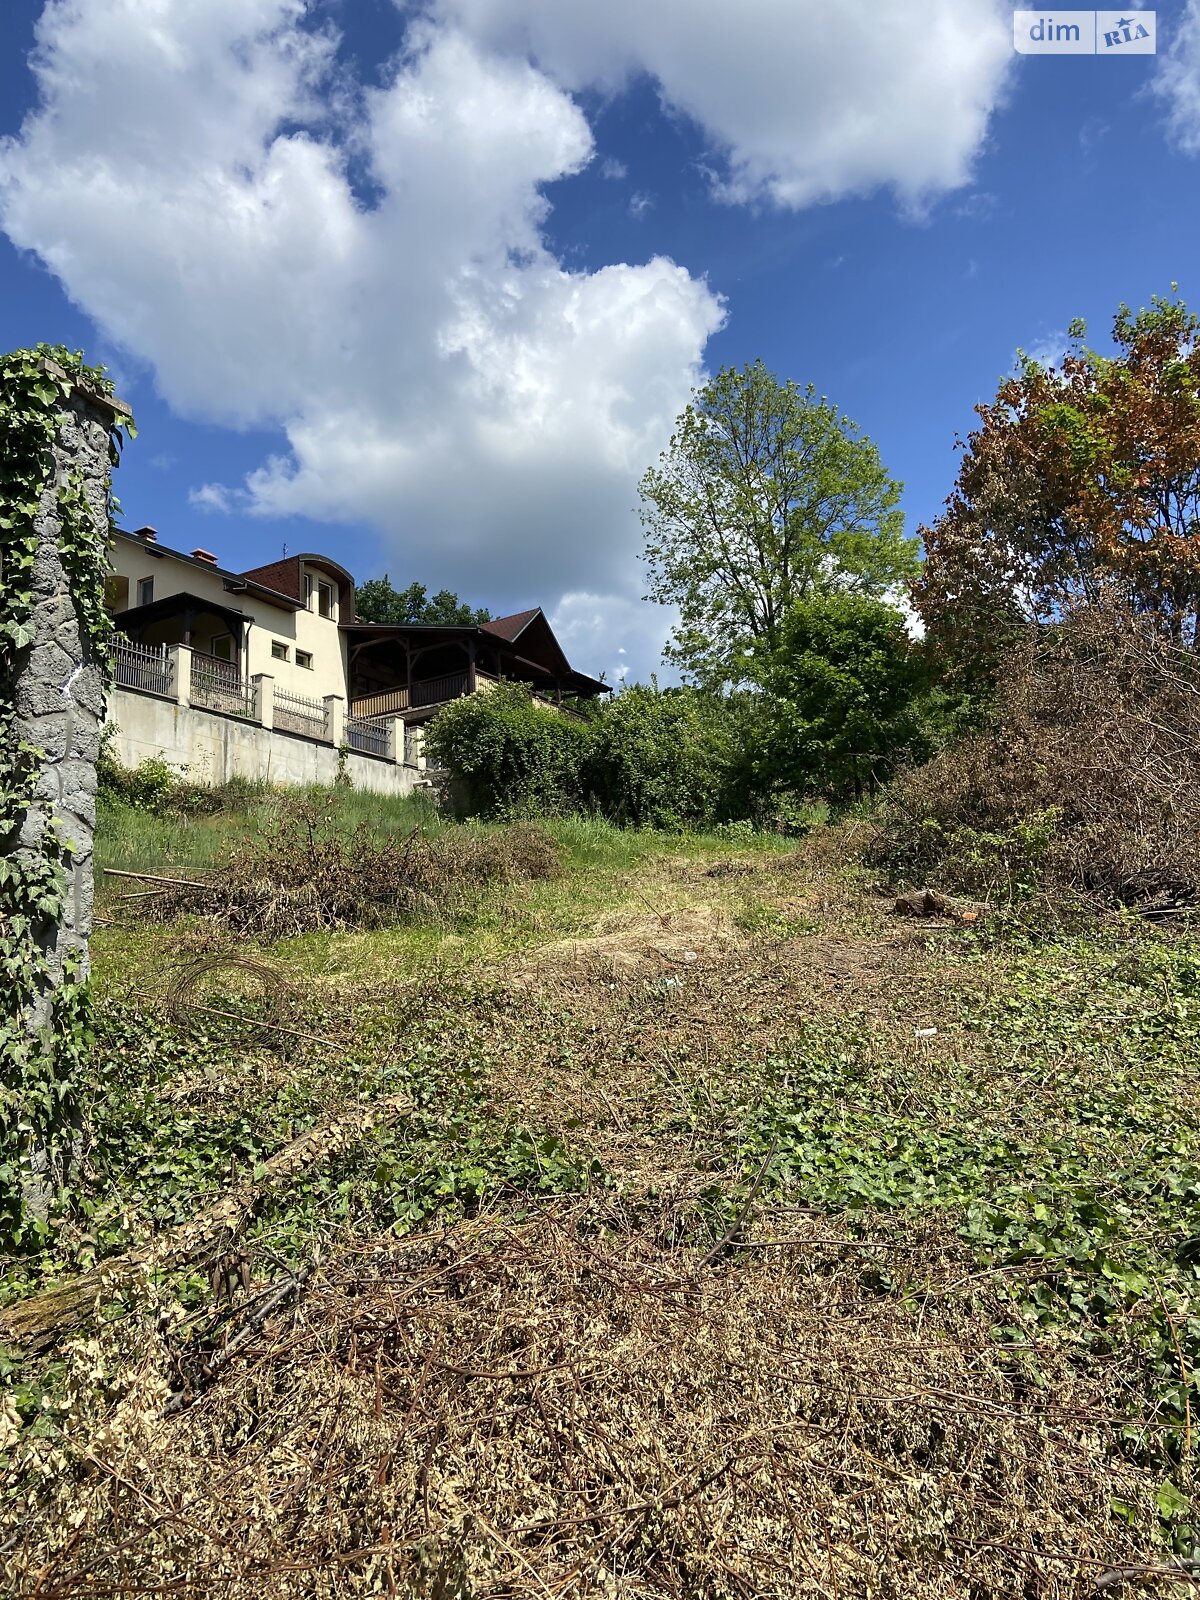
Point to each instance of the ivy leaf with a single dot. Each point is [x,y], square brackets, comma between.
[1170,1502]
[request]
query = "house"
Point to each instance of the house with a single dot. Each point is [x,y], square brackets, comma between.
[278,649]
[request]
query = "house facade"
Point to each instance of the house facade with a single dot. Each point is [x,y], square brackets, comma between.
[278,649]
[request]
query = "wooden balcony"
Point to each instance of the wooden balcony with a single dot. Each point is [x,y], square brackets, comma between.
[394,702]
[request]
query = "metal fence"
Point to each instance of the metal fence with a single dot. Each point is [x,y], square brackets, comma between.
[366,735]
[218,685]
[143,666]
[298,714]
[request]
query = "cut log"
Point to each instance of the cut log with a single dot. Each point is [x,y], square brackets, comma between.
[922,903]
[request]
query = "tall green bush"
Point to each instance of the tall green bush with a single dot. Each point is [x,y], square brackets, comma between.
[509,755]
[660,759]
[842,696]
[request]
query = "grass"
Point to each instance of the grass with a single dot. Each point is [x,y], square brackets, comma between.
[160,838]
[601,862]
[743,1239]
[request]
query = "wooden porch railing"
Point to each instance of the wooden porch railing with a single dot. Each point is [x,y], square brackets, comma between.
[431,692]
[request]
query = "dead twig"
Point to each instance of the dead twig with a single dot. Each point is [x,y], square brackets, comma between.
[41,1320]
[290,1290]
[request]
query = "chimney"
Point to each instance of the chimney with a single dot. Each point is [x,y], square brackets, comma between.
[204,555]
[148,533]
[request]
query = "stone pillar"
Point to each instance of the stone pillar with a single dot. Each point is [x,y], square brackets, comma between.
[263,684]
[335,719]
[59,704]
[181,672]
[395,740]
[414,752]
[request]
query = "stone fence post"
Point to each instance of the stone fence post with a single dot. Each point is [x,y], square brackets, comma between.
[181,672]
[263,685]
[335,719]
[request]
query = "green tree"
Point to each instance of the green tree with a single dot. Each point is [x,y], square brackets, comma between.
[764,497]
[843,693]
[377,601]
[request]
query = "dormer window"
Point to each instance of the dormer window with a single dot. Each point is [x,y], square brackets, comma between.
[323,592]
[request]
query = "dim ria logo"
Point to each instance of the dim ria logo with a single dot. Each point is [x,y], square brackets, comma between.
[1085,33]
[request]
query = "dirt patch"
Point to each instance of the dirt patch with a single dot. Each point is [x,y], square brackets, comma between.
[658,942]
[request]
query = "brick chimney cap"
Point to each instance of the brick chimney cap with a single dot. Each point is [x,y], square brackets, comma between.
[204,555]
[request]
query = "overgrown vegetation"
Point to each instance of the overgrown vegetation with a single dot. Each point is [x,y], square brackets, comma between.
[509,755]
[37,1109]
[597,1204]
[1082,784]
[303,874]
[676,759]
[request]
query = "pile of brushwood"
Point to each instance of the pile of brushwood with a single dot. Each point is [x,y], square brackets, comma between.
[304,875]
[1082,784]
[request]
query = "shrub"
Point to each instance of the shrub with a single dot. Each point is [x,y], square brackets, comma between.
[155,786]
[660,759]
[1084,781]
[843,688]
[143,787]
[670,758]
[510,756]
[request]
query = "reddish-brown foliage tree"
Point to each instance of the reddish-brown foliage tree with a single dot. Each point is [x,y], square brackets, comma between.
[1081,480]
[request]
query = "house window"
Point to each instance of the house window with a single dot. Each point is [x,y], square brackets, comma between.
[221,646]
[145,591]
[279,652]
[304,659]
[325,599]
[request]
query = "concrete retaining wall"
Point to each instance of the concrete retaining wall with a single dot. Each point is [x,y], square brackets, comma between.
[211,748]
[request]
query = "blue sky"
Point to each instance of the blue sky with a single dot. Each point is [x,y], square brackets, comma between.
[424,287]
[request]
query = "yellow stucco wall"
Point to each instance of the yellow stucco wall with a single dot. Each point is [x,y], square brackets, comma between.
[134,559]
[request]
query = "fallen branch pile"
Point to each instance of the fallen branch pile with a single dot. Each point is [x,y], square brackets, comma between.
[555,1407]
[304,876]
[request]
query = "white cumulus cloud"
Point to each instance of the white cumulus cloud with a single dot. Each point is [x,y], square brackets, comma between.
[365,270]
[1178,80]
[211,497]
[805,100]
[433,369]
[590,627]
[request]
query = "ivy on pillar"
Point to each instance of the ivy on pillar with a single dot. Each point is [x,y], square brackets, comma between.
[60,434]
